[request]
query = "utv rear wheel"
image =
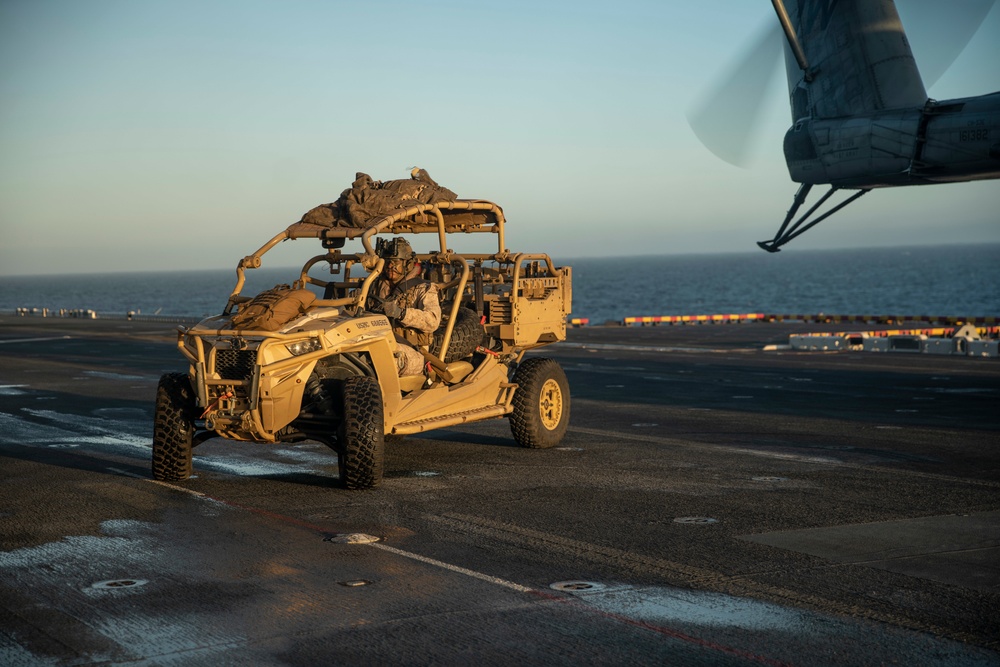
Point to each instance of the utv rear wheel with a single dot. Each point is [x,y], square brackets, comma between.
[173,428]
[541,404]
[361,437]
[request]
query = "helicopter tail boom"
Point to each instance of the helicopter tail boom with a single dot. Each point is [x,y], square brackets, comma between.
[939,142]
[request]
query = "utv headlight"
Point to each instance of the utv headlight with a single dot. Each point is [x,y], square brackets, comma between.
[304,346]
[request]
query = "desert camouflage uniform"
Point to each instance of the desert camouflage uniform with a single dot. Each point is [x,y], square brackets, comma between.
[420,319]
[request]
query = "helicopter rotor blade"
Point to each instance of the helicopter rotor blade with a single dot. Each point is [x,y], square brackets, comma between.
[939,31]
[724,119]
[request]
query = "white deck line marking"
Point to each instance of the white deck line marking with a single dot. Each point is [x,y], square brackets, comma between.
[591,347]
[156,481]
[694,444]
[453,568]
[176,488]
[816,460]
[399,552]
[125,472]
[34,340]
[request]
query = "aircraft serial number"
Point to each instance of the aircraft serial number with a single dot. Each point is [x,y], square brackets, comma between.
[974,135]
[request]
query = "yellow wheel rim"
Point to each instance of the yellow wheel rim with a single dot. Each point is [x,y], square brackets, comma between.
[550,404]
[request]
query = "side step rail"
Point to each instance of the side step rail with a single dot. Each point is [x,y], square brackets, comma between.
[421,425]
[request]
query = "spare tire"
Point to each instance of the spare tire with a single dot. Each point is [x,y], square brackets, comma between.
[465,337]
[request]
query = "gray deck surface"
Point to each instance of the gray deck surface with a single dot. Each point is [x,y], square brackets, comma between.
[712,504]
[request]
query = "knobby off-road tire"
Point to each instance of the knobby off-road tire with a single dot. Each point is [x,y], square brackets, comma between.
[541,404]
[173,428]
[465,337]
[361,437]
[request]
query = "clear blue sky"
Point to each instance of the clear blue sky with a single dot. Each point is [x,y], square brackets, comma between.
[173,135]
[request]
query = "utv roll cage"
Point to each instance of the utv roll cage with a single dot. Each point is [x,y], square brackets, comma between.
[492,291]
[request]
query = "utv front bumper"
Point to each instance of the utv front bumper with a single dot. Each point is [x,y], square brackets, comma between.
[250,384]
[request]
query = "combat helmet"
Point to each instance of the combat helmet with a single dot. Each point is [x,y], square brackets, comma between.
[396,249]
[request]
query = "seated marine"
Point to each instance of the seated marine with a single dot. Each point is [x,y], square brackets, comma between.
[410,302]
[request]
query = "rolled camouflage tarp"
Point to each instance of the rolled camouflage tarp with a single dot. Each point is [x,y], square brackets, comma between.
[367,200]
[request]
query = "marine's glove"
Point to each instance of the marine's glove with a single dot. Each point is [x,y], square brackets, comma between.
[392,310]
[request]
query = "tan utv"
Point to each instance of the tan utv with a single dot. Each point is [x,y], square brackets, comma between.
[311,360]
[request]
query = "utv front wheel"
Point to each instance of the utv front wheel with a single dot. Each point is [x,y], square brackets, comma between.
[361,437]
[173,428]
[541,404]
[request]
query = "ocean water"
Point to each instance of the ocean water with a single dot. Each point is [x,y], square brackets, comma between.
[952,281]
